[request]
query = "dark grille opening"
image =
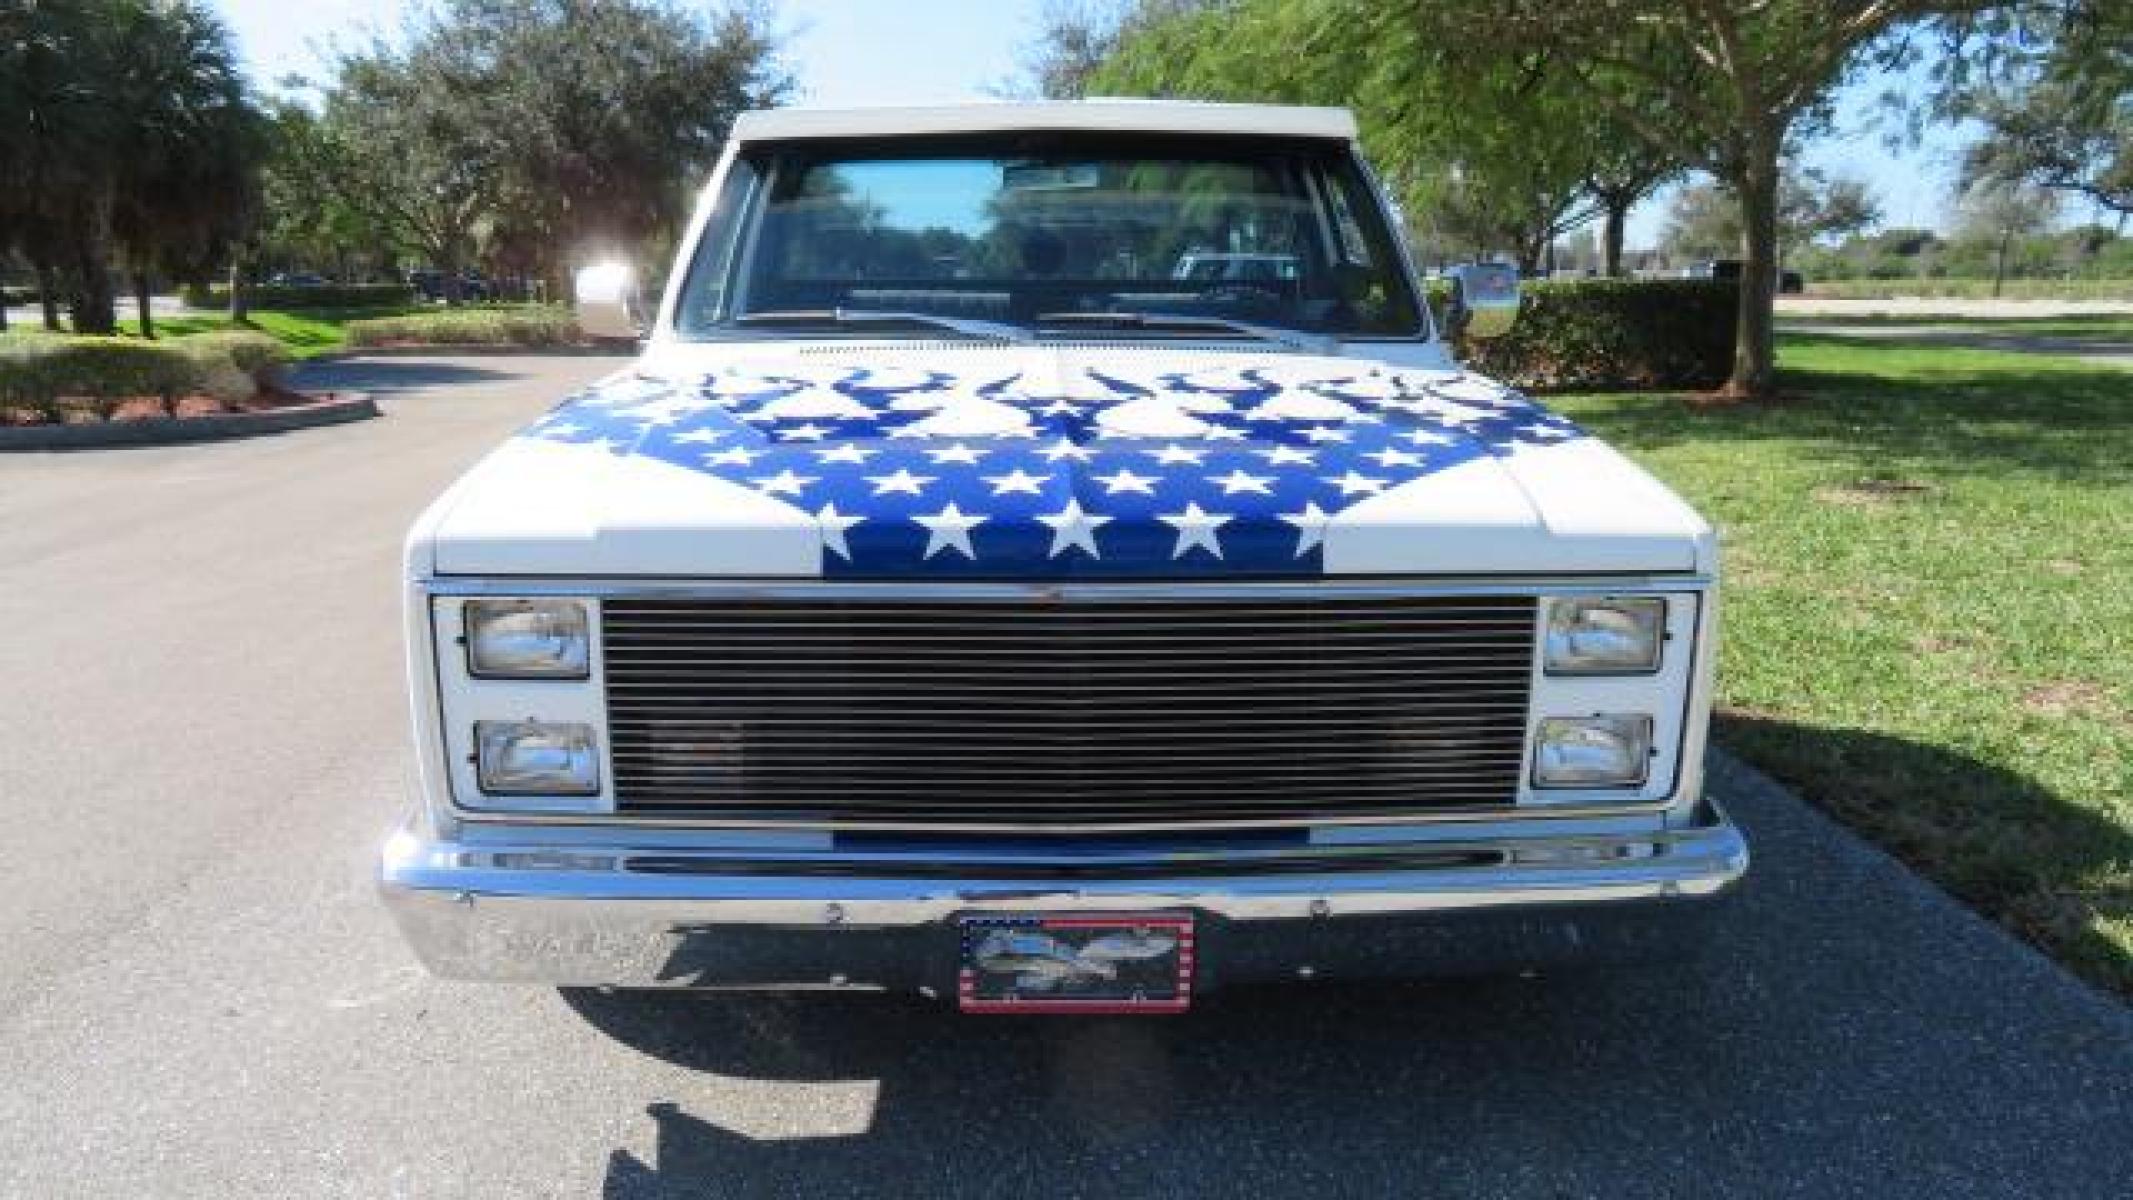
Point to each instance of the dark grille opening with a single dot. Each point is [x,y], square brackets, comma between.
[943,714]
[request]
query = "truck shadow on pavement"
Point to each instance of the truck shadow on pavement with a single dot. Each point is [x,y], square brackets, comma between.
[1847,1030]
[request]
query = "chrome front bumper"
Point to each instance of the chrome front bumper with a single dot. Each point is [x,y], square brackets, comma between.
[653,914]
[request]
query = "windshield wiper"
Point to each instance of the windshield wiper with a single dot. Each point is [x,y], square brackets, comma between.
[1294,339]
[991,331]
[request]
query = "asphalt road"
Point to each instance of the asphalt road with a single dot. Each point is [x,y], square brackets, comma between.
[201,741]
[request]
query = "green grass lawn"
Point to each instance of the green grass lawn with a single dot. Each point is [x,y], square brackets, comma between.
[1929,613]
[307,333]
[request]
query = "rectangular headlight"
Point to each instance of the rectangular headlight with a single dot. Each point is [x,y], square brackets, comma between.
[532,758]
[1604,635]
[527,639]
[1606,750]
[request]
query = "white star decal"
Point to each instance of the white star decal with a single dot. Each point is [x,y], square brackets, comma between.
[849,452]
[809,432]
[1065,448]
[1221,433]
[1238,481]
[739,456]
[699,437]
[1016,480]
[958,453]
[1123,480]
[1195,528]
[949,529]
[1060,408]
[1310,526]
[1072,528]
[1389,457]
[560,429]
[1174,455]
[1353,484]
[1288,454]
[1426,437]
[832,525]
[902,481]
[784,483]
[1317,434]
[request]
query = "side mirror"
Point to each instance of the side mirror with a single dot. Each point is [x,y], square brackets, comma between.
[1484,300]
[604,299]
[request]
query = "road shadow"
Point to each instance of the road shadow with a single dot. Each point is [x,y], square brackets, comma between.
[2013,340]
[385,376]
[2048,868]
[1229,1098]
[1845,1030]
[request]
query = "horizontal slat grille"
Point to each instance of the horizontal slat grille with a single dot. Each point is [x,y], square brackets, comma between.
[940,714]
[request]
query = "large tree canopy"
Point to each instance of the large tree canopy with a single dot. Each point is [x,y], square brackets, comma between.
[1728,84]
[1485,155]
[2055,100]
[548,131]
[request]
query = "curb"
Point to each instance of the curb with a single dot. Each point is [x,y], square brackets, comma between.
[164,431]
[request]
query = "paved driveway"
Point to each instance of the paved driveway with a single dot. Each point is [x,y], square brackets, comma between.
[201,740]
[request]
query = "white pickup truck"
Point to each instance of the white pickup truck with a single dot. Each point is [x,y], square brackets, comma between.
[955,596]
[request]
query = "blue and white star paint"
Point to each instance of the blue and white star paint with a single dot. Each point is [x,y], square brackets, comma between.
[1094,471]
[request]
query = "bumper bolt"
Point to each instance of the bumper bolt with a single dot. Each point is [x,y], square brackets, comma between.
[833,914]
[1319,908]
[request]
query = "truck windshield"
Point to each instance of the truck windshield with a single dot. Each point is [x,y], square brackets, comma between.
[1048,232]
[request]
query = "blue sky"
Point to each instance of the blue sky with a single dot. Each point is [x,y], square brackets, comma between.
[857,52]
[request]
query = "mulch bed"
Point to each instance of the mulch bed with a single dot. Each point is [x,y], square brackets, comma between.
[149,408]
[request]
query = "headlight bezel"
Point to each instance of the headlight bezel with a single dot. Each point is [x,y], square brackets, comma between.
[574,665]
[1641,728]
[487,765]
[1648,612]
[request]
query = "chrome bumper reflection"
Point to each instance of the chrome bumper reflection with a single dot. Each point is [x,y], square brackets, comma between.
[623,916]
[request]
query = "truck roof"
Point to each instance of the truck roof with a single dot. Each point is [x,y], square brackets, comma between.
[1135,116]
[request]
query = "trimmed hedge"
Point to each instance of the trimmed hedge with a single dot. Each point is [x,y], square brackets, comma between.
[298,299]
[51,375]
[1599,334]
[470,327]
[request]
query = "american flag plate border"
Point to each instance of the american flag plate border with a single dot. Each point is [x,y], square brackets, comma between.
[1185,958]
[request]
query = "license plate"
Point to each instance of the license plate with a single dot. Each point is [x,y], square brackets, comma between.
[1076,964]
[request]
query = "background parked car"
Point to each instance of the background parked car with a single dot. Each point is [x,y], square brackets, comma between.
[430,285]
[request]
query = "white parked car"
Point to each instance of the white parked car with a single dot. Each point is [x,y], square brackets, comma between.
[956,596]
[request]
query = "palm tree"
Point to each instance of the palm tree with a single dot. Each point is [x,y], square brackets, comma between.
[187,179]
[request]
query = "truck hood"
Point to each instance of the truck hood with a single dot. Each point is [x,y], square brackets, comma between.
[1055,463]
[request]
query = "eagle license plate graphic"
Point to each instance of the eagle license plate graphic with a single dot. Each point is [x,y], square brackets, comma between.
[1102,964]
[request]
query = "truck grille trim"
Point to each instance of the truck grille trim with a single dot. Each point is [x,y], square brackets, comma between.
[968,715]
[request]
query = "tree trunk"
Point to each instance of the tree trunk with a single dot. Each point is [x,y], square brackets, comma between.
[1754,338]
[240,292]
[1999,263]
[48,293]
[92,305]
[140,298]
[1611,235]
